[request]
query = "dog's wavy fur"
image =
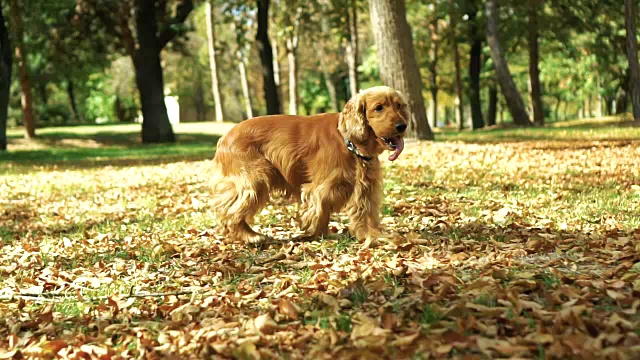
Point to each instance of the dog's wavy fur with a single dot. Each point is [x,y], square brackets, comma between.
[306,158]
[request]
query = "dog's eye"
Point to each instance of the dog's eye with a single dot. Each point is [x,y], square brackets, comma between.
[399,106]
[378,108]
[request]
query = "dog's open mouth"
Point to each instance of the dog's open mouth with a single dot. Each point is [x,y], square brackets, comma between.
[395,144]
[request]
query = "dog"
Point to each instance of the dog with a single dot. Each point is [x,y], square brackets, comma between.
[327,162]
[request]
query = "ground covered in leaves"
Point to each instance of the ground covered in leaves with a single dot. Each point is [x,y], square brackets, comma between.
[527,249]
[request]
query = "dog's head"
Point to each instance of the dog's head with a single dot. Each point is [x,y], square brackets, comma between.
[380,114]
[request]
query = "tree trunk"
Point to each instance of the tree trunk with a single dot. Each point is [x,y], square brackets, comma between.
[266,55]
[5,80]
[608,105]
[42,91]
[632,56]
[331,87]
[199,97]
[556,111]
[509,90]
[456,58]
[23,72]
[211,42]
[322,56]
[475,67]
[276,72]
[493,105]
[352,47]
[398,67]
[73,105]
[433,69]
[245,84]
[293,74]
[156,127]
[534,59]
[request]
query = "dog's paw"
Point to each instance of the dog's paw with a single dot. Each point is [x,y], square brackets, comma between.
[258,240]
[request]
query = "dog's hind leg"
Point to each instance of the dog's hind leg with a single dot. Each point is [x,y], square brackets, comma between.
[236,200]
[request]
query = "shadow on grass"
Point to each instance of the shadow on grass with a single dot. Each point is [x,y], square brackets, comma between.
[112,150]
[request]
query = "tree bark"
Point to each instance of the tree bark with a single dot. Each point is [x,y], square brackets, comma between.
[458,70]
[352,46]
[156,127]
[331,87]
[28,117]
[632,56]
[508,86]
[73,105]
[276,71]
[245,84]
[211,42]
[5,80]
[322,55]
[493,105]
[433,69]
[292,44]
[266,55]
[398,67]
[534,59]
[475,67]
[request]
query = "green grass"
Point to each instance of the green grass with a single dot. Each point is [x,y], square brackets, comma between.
[606,128]
[99,145]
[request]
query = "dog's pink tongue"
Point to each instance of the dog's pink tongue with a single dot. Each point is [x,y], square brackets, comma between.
[399,148]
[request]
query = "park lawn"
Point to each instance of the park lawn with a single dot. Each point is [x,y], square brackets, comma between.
[503,243]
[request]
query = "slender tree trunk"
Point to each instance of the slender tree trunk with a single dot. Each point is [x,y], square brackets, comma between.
[42,91]
[352,46]
[509,90]
[556,111]
[534,59]
[73,105]
[276,71]
[458,70]
[199,97]
[245,84]
[156,127]
[632,56]
[322,56]
[493,105]
[331,87]
[398,67]
[475,68]
[266,55]
[211,42]
[293,74]
[5,80]
[433,69]
[459,112]
[28,117]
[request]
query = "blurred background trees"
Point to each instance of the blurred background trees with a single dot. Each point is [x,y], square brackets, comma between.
[461,63]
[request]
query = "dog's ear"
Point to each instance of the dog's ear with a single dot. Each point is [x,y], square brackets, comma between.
[353,120]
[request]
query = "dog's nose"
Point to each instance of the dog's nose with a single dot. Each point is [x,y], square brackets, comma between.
[401,127]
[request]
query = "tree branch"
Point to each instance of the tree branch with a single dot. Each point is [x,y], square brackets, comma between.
[169,32]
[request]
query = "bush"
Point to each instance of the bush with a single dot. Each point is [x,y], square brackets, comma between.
[53,114]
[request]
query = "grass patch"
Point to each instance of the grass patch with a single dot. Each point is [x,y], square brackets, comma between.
[430,315]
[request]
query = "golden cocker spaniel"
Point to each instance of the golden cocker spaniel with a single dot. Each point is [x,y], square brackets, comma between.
[325,161]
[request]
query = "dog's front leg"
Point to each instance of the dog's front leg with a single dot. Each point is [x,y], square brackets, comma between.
[318,201]
[364,209]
